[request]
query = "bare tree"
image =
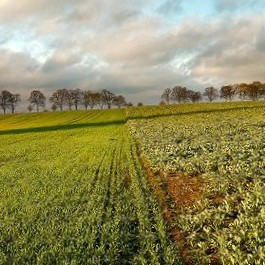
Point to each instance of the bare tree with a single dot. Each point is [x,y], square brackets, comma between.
[69,99]
[179,94]
[59,98]
[14,99]
[107,98]
[91,99]
[255,90]
[86,98]
[75,97]
[194,96]
[95,99]
[210,93]
[166,95]
[228,92]
[5,97]
[119,101]
[37,99]
[262,90]
[241,90]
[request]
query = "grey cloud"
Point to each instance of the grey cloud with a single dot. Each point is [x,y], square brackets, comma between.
[136,43]
[16,69]
[226,5]
[119,11]
[153,79]
[170,7]
[21,71]
[28,9]
[121,16]
[132,46]
[66,13]
[233,56]
[101,15]
[14,60]
[59,61]
[260,40]
[229,6]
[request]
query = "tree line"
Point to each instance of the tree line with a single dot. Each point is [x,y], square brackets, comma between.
[64,98]
[75,98]
[181,94]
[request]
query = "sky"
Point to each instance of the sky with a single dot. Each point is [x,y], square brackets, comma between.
[131,47]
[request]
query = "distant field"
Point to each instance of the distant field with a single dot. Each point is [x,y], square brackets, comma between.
[65,118]
[189,108]
[169,184]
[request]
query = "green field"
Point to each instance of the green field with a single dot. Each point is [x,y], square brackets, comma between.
[77,196]
[93,187]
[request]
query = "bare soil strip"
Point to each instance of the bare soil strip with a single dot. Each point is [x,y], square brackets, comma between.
[176,193]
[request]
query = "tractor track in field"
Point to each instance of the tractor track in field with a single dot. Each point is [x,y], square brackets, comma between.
[96,174]
[107,196]
[106,200]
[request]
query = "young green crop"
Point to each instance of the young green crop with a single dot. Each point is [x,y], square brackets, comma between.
[77,196]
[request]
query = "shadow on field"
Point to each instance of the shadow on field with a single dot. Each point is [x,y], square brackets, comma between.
[61,127]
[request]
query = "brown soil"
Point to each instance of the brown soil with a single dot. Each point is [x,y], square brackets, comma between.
[184,190]
[217,199]
[176,193]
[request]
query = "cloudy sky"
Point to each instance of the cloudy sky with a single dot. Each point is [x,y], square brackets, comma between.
[132,47]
